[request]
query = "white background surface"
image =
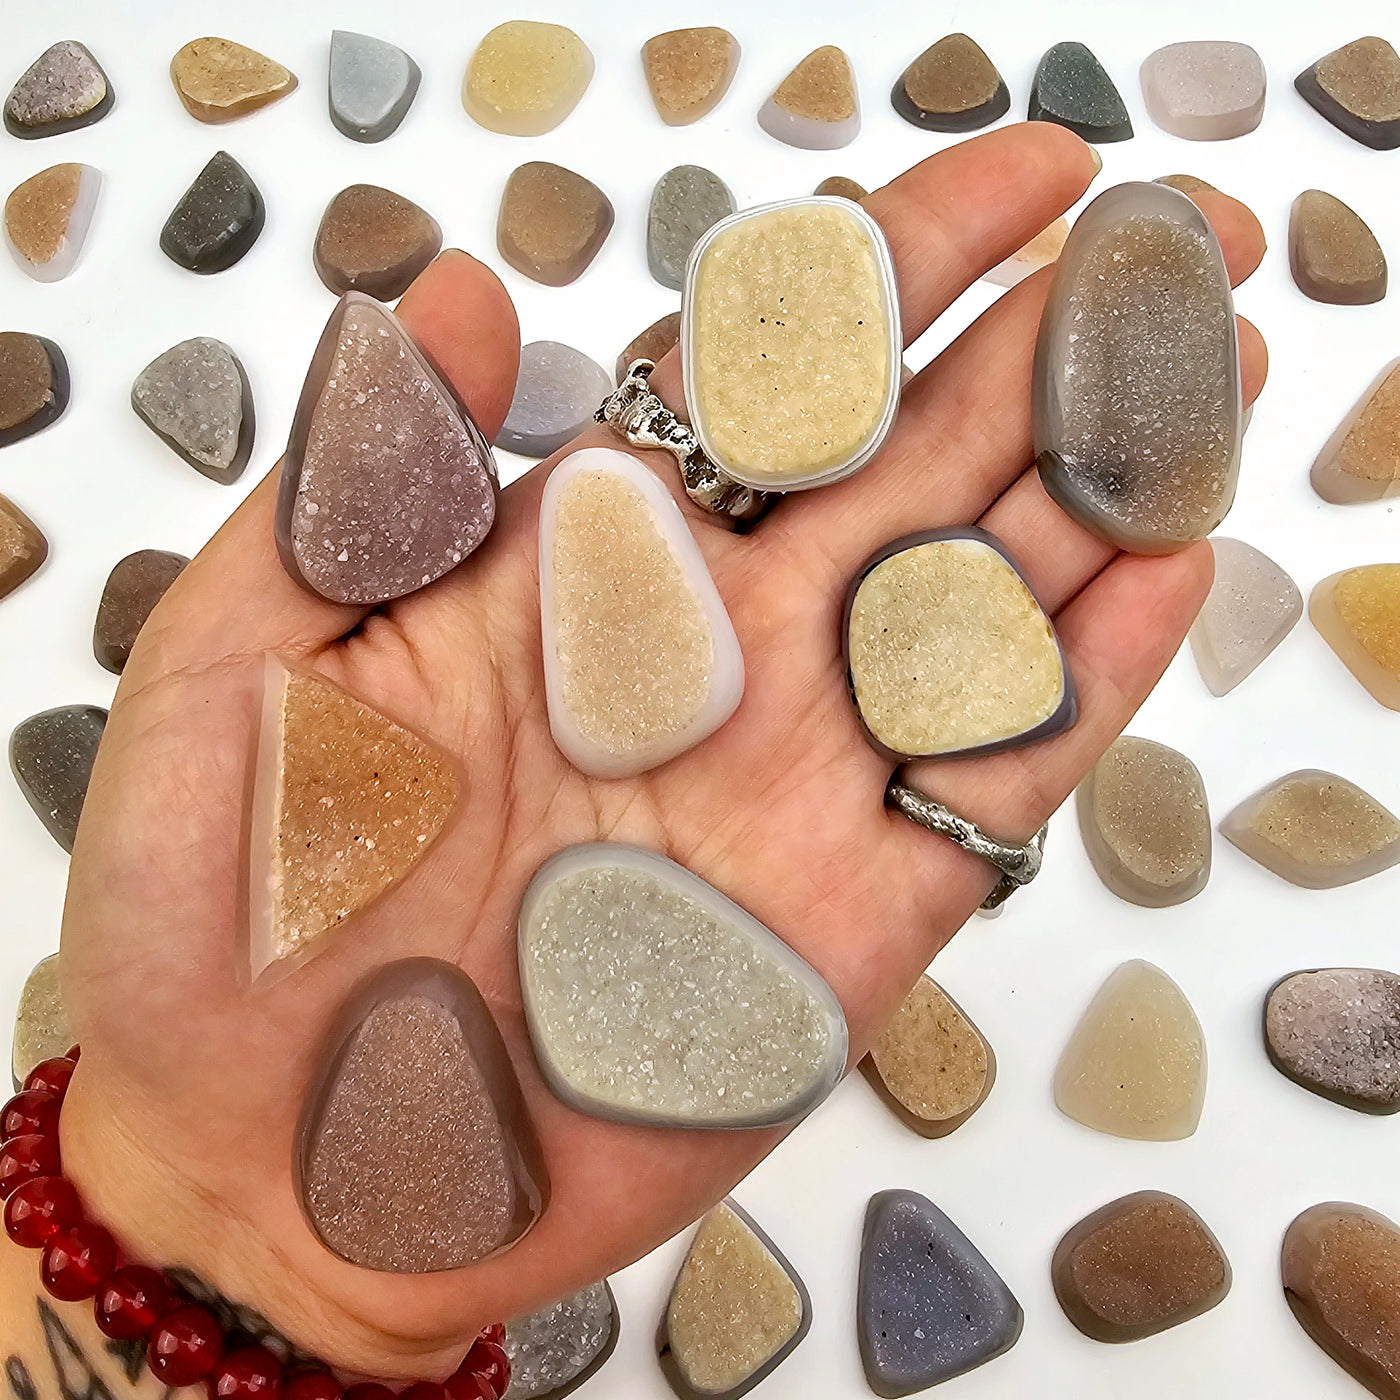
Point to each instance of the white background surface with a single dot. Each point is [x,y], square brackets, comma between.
[1017,1175]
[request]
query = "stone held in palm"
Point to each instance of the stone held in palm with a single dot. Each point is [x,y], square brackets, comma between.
[1071,88]
[737,1310]
[816,107]
[790,343]
[345,803]
[133,588]
[931,1065]
[1136,386]
[1137,1266]
[686,202]
[951,86]
[42,1029]
[1361,460]
[552,223]
[1205,89]
[555,1349]
[62,90]
[387,483]
[218,80]
[217,220]
[1251,607]
[47,219]
[1357,88]
[51,756]
[1145,822]
[1333,255]
[526,77]
[374,241]
[196,398]
[1341,1277]
[949,652]
[688,71]
[1315,829]
[34,385]
[416,1152]
[928,1306]
[1358,613]
[654,343]
[651,998]
[1336,1031]
[23,547]
[1135,1066]
[1044,249]
[371,85]
[557,390]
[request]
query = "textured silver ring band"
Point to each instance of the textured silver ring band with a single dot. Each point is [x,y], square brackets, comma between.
[1019,865]
[639,416]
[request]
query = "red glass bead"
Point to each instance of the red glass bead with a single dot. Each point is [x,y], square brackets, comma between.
[249,1373]
[312,1385]
[24,1157]
[39,1208]
[130,1303]
[493,1332]
[369,1390]
[33,1111]
[490,1362]
[424,1390]
[470,1385]
[52,1075]
[186,1346]
[78,1261]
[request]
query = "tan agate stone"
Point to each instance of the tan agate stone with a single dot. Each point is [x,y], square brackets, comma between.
[219,80]
[654,343]
[374,241]
[345,803]
[1145,823]
[552,222]
[1333,254]
[42,1030]
[1341,1277]
[789,335]
[1361,460]
[526,77]
[688,71]
[842,187]
[1187,184]
[1135,1066]
[735,1312]
[1316,830]
[23,547]
[815,106]
[1040,252]
[931,1065]
[1357,88]
[47,219]
[1137,1266]
[1358,613]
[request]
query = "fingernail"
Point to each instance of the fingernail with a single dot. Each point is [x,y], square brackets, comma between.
[1098,159]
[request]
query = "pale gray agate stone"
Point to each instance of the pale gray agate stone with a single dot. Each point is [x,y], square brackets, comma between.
[688,200]
[1136,388]
[1205,89]
[196,397]
[41,1023]
[1251,607]
[372,85]
[556,392]
[555,1349]
[651,998]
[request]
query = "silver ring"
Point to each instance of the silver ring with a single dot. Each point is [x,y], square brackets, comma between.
[1019,865]
[639,416]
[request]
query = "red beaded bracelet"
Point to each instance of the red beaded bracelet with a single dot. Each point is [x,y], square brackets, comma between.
[185,1342]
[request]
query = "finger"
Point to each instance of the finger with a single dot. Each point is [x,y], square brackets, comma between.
[963,435]
[237,598]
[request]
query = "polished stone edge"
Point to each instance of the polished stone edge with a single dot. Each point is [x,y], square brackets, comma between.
[572,860]
[35,133]
[973,119]
[60,390]
[889,297]
[235,249]
[448,985]
[246,431]
[1100,1329]
[603,1357]
[932,1128]
[1379,136]
[382,130]
[1333,485]
[1375,1110]
[667,1361]
[290,481]
[1341,641]
[874,1212]
[1066,712]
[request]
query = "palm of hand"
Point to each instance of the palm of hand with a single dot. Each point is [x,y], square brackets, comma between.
[184,1110]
